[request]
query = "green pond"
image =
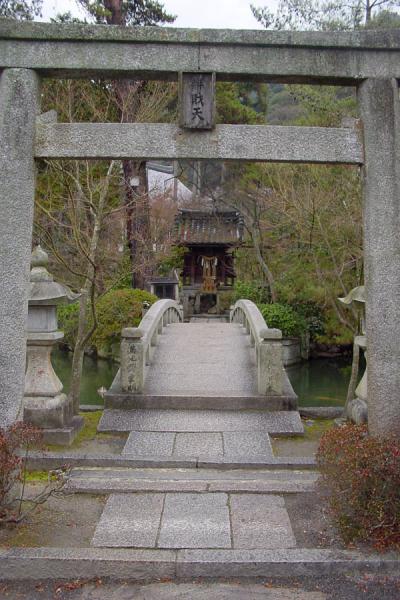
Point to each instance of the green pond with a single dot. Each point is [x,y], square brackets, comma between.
[319,382]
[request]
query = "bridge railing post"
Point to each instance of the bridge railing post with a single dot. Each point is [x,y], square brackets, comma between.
[270,362]
[132,360]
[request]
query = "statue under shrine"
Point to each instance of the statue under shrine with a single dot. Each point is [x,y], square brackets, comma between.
[209,264]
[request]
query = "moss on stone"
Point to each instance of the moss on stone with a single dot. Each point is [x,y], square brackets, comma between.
[37,476]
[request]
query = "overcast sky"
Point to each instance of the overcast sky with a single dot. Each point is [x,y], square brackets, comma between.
[220,14]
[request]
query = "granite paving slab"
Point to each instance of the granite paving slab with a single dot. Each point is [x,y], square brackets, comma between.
[246,443]
[274,422]
[195,521]
[129,521]
[194,444]
[150,443]
[260,521]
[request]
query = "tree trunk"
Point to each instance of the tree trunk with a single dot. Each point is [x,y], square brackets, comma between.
[137,221]
[265,269]
[79,352]
[368,12]
[88,294]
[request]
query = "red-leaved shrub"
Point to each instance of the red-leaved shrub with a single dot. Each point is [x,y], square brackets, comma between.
[13,438]
[362,476]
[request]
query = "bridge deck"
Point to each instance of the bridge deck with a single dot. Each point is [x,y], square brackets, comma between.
[203,359]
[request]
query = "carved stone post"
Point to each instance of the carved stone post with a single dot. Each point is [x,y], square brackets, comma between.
[380,113]
[132,360]
[270,362]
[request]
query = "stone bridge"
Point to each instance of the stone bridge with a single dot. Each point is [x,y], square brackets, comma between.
[197,383]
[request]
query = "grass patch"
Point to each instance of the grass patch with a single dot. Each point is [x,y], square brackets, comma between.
[89,430]
[87,433]
[315,428]
[37,476]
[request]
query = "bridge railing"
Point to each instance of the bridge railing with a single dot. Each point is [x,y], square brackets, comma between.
[267,343]
[138,343]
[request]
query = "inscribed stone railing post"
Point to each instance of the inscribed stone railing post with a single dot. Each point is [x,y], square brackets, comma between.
[267,343]
[138,344]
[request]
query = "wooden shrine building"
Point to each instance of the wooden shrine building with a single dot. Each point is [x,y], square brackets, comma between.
[210,237]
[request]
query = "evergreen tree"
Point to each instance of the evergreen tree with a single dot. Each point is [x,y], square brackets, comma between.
[23,10]
[323,15]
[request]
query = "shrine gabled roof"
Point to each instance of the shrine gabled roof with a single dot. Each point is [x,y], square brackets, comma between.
[223,227]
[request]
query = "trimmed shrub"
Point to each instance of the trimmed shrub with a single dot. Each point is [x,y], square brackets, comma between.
[283,317]
[249,290]
[362,476]
[115,310]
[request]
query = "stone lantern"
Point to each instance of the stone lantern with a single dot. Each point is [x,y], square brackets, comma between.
[44,403]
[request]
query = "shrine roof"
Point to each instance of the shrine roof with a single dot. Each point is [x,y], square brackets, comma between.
[215,227]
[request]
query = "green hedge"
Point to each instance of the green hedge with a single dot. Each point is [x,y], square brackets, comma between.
[115,310]
[283,317]
[250,290]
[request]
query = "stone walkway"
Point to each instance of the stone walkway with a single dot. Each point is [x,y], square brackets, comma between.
[201,520]
[213,364]
[196,491]
[203,359]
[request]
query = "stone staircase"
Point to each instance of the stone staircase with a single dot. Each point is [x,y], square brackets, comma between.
[200,417]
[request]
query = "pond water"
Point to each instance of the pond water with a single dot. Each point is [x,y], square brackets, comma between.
[319,382]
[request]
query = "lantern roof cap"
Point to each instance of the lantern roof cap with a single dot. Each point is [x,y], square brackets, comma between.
[43,288]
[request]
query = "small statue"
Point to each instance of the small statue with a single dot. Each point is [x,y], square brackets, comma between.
[356,407]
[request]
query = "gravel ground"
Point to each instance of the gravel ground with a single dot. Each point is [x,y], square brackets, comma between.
[335,588]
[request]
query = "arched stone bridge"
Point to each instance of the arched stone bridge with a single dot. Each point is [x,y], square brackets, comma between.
[202,378]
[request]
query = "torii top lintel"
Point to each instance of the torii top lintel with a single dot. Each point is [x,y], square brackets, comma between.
[74,50]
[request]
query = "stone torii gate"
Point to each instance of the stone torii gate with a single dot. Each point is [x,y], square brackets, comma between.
[368,60]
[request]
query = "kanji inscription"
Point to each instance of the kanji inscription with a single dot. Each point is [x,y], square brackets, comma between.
[197,100]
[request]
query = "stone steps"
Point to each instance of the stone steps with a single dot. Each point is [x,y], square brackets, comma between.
[132,564]
[52,460]
[125,480]
[202,421]
[117,400]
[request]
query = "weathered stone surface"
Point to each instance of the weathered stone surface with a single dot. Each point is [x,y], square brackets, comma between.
[19,102]
[197,100]
[129,520]
[260,521]
[380,113]
[150,443]
[195,521]
[240,142]
[287,422]
[62,50]
[194,444]
[85,563]
[52,460]
[291,562]
[246,444]
[105,481]
[132,362]
[117,563]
